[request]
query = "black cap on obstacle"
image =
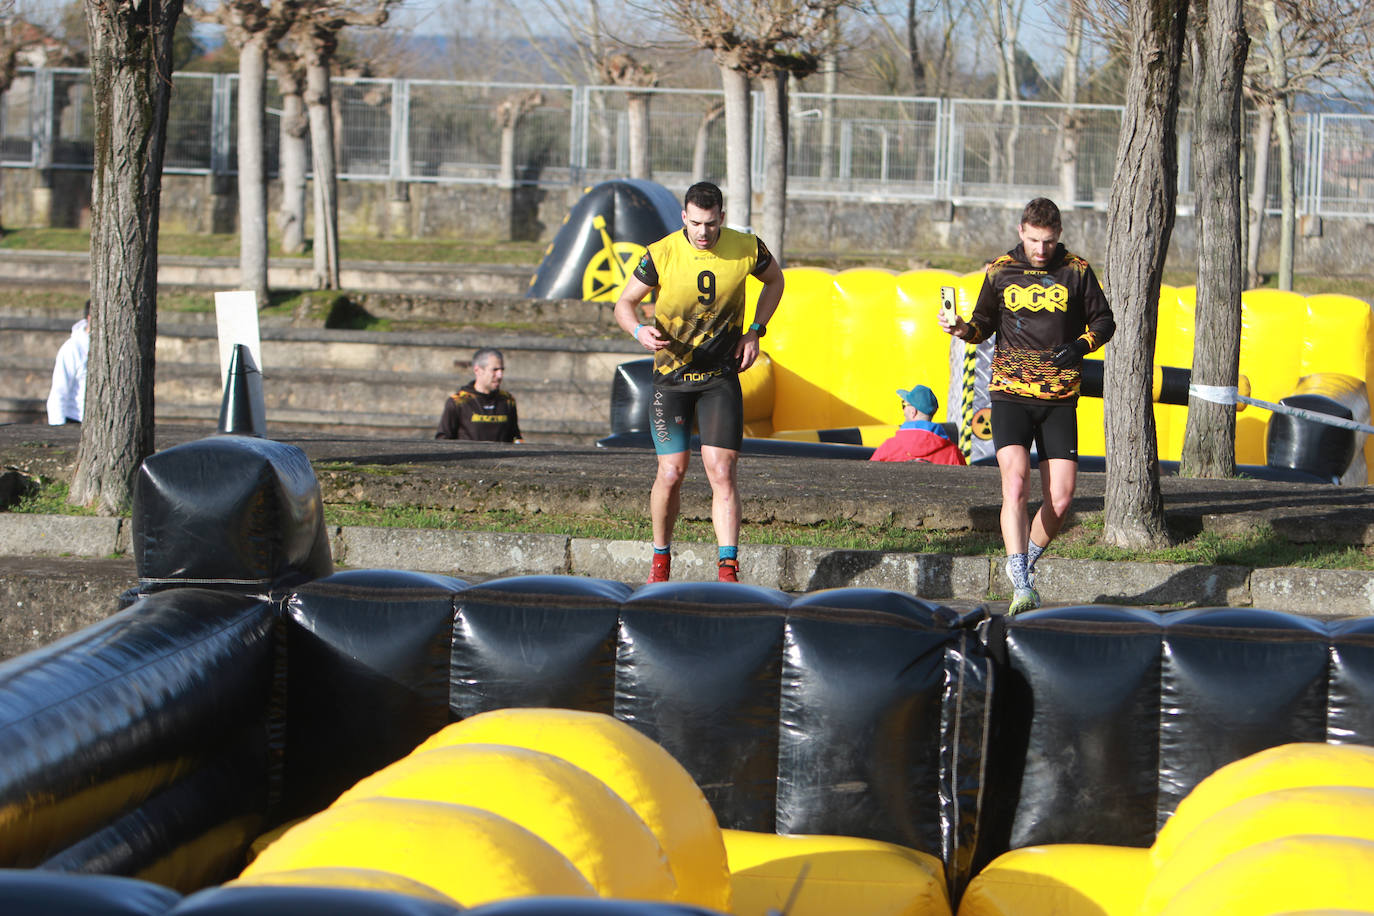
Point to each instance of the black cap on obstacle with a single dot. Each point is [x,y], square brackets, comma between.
[242,411]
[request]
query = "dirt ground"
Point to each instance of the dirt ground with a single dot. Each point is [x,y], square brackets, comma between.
[592,481]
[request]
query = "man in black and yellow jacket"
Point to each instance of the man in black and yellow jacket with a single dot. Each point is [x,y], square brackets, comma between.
[1047,310]
[700,346]
[480,410]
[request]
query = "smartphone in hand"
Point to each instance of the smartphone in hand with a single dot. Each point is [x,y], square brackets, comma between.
[948,316]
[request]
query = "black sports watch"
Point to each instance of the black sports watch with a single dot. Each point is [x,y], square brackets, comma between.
[758,329]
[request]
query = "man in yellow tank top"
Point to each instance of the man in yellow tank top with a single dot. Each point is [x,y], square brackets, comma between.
[700,346]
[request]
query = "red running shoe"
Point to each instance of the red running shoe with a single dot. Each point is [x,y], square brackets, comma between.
[727,570]
[663,563]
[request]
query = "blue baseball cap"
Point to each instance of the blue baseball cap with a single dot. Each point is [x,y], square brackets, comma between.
[920,397]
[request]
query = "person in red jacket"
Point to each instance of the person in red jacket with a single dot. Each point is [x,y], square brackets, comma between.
[918,439]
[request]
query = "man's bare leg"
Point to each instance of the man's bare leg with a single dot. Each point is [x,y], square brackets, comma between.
[722,465]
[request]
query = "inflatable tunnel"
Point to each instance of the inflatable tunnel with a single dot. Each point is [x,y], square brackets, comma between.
[603,237]
[257,734]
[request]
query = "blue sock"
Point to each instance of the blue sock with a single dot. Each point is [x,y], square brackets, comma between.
[728,553]
[664,550]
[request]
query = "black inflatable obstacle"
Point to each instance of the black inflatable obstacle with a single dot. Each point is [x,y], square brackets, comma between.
[1319,449]
[142,734]
[632,391]
[1105,717]
[603,238]
[232,512]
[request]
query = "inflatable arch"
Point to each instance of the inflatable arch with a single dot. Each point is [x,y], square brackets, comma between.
[357,735]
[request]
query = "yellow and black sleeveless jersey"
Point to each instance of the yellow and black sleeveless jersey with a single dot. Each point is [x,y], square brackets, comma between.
[1033,311]
[700,303]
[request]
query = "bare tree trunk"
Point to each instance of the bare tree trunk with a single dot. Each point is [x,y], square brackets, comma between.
[317,103]
[1140,220]
[291,166]
[701,143]
[1068,94]
[1259,193]
[739,180]
[775,162]
[637,113]
[131,53]
[913,48]
[1221,43]
[1277,58]
[252,126]
[830,87]
[1288,193]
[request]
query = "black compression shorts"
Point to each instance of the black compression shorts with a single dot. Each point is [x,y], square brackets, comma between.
[1051,425]
[717,409]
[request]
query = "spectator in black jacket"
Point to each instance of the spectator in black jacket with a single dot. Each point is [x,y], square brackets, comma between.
[480,410]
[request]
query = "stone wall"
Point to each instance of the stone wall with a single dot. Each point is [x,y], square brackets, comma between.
[199,203]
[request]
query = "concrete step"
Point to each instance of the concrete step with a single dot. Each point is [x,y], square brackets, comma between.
[282,273]
[363,382]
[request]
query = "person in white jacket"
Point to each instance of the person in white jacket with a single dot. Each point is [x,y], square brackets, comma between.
[67,398]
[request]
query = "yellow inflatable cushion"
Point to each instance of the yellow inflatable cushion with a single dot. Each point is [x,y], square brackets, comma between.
[364,879]
[1323,810]
[1283,875]
[848,875]
[1063,880]
[643,774]
[468,854]
[564,805]
[1288,766]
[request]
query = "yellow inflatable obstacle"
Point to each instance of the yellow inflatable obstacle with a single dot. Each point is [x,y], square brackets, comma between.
[843,342]
[564,805]
[522,802]
[1296,821]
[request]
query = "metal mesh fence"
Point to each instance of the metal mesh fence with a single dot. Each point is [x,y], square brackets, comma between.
[843,145]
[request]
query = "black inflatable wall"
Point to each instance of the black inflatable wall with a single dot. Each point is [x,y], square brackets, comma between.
[634,211]
[871,740]
[1107,717]
[148,732]
[235,512]
[368,676]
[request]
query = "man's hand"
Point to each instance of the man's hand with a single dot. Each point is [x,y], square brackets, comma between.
[956,327]
[1070,354]
[747,350]
[649,337]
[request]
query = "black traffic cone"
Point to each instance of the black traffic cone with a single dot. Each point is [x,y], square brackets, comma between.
[242,411]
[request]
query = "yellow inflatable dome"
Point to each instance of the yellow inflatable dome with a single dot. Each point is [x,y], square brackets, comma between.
[562,804]
[1291,873]
[646,776]
[1325,810]
[1288,766]
[1288,829]
[362,879]
[467,854]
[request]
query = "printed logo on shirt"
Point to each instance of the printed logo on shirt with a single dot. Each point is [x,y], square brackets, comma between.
[1051,297]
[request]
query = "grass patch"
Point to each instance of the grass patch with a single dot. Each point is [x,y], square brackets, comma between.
[226,245]
[1261,548]
[49,498]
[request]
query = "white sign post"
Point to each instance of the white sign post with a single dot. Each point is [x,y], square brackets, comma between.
[236,320]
